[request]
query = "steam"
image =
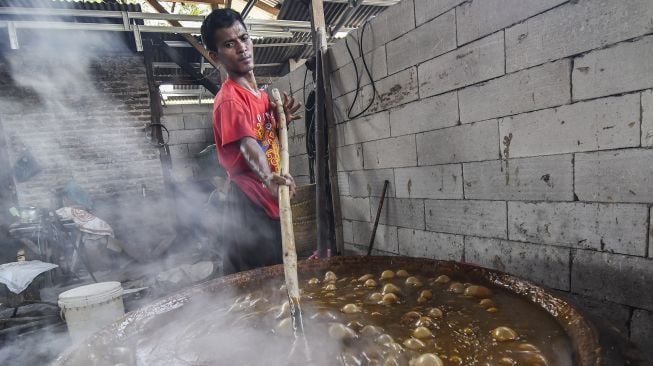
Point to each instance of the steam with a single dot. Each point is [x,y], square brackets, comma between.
[57,107]
[64,116]
[215,331]
[232,328]
[68,104]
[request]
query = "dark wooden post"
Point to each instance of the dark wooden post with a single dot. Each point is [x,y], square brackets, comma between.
[322,218]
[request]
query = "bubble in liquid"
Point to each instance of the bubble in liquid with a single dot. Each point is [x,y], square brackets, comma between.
[402,273]
[387,274]
[422,332]
[351,309]
[414,344]
[503,334]
[442,279]
[427,359]
[478,291]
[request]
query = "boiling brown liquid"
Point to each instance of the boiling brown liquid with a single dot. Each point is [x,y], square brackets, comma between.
[345,325]
[463,335]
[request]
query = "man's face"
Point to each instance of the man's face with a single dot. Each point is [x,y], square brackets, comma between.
[234,49]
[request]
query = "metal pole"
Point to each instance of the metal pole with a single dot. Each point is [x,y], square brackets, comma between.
[378,215]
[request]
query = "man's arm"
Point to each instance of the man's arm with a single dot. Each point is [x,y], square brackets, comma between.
[257,161]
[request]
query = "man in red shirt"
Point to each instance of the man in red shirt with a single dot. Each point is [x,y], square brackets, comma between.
[245,130]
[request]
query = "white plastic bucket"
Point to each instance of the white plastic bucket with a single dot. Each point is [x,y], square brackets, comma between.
[89,308]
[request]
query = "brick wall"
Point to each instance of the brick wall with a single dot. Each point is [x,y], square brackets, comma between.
[515,134]
[82,117]
[191,131]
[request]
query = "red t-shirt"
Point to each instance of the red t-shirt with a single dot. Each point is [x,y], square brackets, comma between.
[238,113]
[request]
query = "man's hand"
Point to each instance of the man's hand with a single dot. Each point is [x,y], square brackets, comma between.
[274,180]
[289,107]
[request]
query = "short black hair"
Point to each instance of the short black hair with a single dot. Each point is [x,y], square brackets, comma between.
[219,18]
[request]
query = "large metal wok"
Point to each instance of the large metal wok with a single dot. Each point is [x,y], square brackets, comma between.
[583,338]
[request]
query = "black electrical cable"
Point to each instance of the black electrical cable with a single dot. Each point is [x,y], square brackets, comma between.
[304,87]
[358,78]
[309,122]
[310,139]
[166,139]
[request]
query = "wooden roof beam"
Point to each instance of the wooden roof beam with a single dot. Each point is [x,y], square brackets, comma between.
[189,38]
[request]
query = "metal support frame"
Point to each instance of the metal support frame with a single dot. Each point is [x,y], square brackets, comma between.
[13,37]
[202,68]
[136,29]
[257,27]
[125,21]
[368,2]
[138,39]
[172,65]
[265,45]
[187,67]
[291,25]
[248,7]
[346,16]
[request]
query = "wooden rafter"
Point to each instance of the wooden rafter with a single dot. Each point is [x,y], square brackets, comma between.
[189,38]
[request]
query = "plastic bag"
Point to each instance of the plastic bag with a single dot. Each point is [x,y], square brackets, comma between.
[18,275]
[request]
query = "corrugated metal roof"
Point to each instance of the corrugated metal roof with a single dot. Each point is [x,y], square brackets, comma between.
[298,10]
[290,10]
[62,4]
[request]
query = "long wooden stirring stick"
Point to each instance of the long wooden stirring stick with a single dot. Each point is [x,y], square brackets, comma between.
[285,214]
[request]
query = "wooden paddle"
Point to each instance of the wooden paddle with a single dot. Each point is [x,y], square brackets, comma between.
[285,215]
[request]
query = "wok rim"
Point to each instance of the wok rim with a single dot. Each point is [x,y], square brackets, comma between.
[583,337]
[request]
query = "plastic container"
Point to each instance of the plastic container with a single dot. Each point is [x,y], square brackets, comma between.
[89,308]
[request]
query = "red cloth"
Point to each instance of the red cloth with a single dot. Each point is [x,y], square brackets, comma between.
[238,113]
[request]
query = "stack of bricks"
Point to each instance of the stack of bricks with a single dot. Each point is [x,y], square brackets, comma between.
[516,134]
[191,131]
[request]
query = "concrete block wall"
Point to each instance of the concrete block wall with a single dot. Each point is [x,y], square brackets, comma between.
[298,84]
[516,134]
[191,131]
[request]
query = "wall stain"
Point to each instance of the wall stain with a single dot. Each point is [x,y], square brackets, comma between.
[583,69]
[498,263]
[458,57]
[547,179]
[506,155]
